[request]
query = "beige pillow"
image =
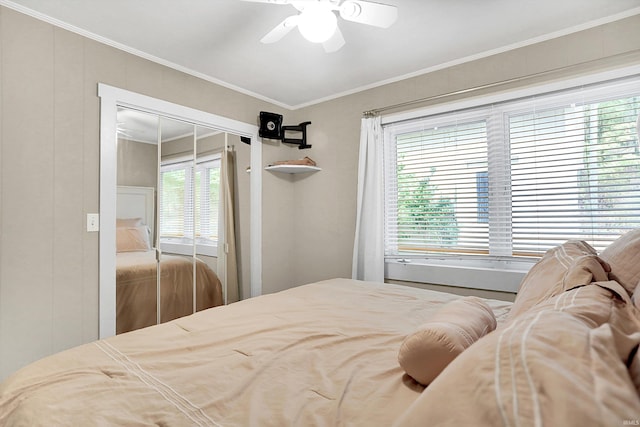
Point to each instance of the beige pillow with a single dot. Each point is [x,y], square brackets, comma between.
[128,222]
[574,263]
[457,325]
[132,239]
[624,257]
[634,369]
[553,367]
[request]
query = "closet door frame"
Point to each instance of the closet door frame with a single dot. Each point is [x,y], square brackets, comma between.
[110,99]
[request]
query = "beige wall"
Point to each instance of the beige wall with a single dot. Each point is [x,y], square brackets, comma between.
[325,202]
[49,175]
[49,159]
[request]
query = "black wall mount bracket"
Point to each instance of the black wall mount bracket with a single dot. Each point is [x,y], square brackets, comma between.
[271,128]
[301,128]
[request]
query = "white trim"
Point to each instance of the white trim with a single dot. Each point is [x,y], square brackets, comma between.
[581,27]
[110,99]
[108,196]
[489,275]
[255,236]
[187,249]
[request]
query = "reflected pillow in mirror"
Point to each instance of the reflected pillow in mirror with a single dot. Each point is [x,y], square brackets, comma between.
[128,222]
[132,239]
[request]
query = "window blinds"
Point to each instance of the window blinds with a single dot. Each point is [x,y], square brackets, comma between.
[174,200]
[440,199]
[516,178]
[189,200]
[575,173]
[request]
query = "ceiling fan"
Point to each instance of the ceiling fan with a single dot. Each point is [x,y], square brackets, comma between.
[317,21]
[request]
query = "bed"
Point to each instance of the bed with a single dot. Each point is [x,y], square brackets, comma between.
[136,288]
[137,269]
[343,352]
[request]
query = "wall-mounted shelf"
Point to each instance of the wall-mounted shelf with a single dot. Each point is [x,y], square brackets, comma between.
[292,168]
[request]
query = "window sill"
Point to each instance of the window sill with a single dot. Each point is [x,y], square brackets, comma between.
[186,249]
[503,276]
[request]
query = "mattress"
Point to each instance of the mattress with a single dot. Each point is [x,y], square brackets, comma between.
[319,354]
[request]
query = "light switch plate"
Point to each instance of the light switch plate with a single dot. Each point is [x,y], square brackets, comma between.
[93,222]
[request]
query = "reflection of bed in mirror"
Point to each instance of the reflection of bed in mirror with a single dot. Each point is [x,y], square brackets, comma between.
[137,269]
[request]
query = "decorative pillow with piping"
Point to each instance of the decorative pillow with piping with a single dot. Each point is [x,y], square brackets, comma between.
[426,352]
[574,263]
[624,257]
[132,239]
[564,362]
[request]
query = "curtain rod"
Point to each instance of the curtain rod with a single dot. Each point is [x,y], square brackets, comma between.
[377,111]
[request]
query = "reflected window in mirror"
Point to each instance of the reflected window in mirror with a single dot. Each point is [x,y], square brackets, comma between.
[189,204]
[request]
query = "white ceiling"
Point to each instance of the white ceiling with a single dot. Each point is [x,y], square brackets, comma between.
[219,40]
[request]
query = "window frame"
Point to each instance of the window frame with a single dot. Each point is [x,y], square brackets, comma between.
[499,273]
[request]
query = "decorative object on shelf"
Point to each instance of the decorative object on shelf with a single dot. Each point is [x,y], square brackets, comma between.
[303,165]
[271,128]
[306,161]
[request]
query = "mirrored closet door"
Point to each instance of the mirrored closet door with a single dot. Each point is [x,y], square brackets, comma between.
[174,181]
[188,262]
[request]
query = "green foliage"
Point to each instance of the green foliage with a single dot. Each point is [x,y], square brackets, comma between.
[425,218]
[612,161]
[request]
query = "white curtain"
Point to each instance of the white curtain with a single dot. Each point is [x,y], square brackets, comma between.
[368,248]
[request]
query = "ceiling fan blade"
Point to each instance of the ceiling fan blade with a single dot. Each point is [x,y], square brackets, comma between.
[368,12]
[281,30]
[335,42]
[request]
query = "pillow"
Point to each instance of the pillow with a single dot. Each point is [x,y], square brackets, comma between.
[634,368]
[624,257]
[132,239]
[457,325]
[557,365]
[574,263]
[635,298]
[128,222]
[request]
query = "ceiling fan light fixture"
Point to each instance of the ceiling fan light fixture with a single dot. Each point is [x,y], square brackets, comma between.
[317,23]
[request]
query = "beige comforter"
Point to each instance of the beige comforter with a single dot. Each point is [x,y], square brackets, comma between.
[136,288]
[323,354]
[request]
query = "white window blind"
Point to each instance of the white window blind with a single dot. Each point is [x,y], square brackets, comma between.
[515,178]
[189,201]
[207,200]
[439,193]
[175,205]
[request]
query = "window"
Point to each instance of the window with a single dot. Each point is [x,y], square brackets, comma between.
[189,203]
[516,178]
